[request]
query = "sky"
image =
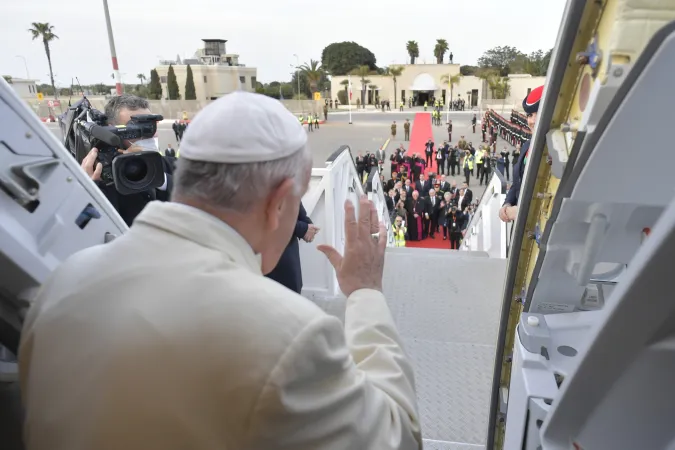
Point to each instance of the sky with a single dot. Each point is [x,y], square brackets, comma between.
[265,33]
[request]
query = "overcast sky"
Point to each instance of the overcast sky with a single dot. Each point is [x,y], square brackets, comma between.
[265,33]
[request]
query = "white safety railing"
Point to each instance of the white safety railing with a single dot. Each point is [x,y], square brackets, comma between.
[486,232]
[330,187]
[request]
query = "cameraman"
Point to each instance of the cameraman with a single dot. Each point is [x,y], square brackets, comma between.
[119,111]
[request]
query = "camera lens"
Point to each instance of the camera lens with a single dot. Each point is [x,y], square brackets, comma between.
[135,170]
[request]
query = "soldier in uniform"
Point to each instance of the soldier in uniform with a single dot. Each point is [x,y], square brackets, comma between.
[393,130]
[473,123]
[406,130]
[531,106]
[505,158]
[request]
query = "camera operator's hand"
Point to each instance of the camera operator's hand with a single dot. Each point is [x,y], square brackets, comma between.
[132,149]
[91,165]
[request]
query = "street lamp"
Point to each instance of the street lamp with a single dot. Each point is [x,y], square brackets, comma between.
[113,53]
[297,59]
[25,65]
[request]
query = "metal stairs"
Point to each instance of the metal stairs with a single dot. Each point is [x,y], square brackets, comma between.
[446,305]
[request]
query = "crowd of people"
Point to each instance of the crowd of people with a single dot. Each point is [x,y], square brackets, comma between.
[514,131]
[422,209]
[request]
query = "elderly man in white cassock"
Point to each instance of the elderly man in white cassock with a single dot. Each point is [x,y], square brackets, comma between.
[171,338]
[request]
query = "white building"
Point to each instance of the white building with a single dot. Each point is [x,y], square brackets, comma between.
[25,88]
[215,72]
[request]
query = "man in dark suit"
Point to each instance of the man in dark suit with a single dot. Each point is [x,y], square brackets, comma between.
[433,204]
[509,210]
[288,271]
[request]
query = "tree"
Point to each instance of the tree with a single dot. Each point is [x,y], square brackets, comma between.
[362,72]
[440,49]
[394,72]
[8,78]
[190,93]
[46,32]
[536,63]
[141,77]
[344,92]
[155,87]
[313,72]
[468,70]
[451,81]
[413,50]
[341,58]
[172,84]
[500,58]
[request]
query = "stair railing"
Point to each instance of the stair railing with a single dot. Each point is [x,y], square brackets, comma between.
[485,232]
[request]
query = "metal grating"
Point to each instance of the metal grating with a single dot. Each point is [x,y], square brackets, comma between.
[446,306]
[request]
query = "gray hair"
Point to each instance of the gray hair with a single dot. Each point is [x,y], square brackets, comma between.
[237,187]
[124,101]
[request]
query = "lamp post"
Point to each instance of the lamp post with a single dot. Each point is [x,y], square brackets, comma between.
[297,76]
[25,65]
[113,53]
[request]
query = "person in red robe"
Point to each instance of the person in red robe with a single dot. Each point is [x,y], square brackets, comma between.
[415,213]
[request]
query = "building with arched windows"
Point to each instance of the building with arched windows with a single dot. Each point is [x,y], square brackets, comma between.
[422,82]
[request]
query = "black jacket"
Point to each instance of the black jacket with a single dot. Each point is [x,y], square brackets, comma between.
[518,172]
[129,206]
[288,271]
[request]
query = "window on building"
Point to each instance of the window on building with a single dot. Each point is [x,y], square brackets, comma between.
[204,78]
[253,82]
[242,80]
[162,79]
[403,95]
[30,89]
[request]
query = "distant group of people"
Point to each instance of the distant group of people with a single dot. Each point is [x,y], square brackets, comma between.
[421,209]
[179,127]
[512,131]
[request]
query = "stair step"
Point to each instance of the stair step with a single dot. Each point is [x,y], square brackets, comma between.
[437,251]
[446,305]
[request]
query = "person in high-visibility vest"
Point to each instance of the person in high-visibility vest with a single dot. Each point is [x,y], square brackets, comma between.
[399,232]
[310,122]
[468,165]
[425,106]
[479,163]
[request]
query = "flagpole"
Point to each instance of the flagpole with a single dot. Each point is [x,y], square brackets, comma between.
[349,77]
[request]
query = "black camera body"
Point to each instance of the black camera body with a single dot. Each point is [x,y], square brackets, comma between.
[84,127]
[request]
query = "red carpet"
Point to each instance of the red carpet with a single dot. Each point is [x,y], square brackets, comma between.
[421,133]
[430,243]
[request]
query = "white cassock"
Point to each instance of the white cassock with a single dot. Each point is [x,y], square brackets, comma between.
[170,338]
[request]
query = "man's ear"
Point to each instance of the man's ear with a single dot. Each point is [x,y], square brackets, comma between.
[276,202]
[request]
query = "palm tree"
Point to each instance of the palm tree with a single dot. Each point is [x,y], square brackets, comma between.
[440,49]
[314,72]
[46,32]
[503,89]
[451,81]
[362,72]
[394,72]
[488,76]
[141,77]
[413,50]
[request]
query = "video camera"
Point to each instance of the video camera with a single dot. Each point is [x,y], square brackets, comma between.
[84,127]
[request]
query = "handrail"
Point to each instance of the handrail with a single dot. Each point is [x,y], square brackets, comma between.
[330,187]
[476,230]
[376,194]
